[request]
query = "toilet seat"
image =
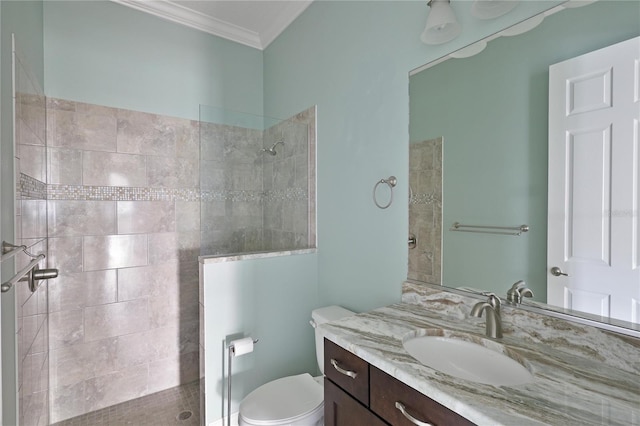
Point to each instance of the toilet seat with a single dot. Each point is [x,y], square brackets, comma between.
[293,400]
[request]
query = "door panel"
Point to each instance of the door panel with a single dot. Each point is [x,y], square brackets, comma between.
[593,231]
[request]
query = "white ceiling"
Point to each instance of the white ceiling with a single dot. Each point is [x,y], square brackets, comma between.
[254,23]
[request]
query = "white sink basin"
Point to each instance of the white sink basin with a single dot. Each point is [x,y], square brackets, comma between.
[467,357]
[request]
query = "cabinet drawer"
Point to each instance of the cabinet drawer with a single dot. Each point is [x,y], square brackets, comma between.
[340,409]
[347,371]
[386,391]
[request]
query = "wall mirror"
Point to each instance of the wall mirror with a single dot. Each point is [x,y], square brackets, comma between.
[491,113]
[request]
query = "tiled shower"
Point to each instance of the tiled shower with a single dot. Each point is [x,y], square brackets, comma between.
[133,199]
[425,210]
[32,324]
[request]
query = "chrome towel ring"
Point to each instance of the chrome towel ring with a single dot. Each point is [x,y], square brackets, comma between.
[391,181]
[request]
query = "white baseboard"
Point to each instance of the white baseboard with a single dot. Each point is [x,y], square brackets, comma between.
[223,421]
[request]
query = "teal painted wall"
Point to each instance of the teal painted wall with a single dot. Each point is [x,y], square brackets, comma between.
[352,59]
[24,19]
[268,299]
[494,122]
[103,53]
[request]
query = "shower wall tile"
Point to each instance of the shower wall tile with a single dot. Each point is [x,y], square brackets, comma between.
[211,142]
[124,251]
[170,372]
[54,104]
[212,175]
[34,219]
[188,140]
[87,131]
[148,346]
[33,161]
[109,169]
[284,173]
[66,254]
[77,218]
[173,246]
[114,388]
[72,291]
[165,309]
[67,401]
[143,217]
[187,216]
[167,172]
[66,328]
[65,166]
[31,115]
[76,363]
[148,281]
[115,319]
[150,134]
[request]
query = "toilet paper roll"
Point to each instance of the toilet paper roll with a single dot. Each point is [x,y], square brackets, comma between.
[242,346]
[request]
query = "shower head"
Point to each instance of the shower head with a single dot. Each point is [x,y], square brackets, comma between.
[272,150]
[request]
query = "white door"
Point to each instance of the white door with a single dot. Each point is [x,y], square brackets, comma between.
[593,230]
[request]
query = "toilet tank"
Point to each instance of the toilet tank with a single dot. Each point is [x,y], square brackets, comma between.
[321,316]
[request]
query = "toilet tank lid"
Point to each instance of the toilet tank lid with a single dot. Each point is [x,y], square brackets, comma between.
[330,313]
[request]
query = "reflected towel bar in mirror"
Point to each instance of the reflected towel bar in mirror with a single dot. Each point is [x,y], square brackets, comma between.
[486,229]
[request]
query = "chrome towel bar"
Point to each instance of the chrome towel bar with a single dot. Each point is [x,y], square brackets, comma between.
[486,229]
[6,286]
[30,273]
[9,250]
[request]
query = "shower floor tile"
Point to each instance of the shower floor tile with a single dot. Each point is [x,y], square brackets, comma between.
[158,409]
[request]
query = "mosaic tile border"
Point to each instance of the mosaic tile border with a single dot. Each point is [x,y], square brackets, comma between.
[122,193]
[29,187]
[424,199]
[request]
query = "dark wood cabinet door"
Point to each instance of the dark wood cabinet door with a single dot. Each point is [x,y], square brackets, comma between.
[340,409]
[386,391]
[339,363]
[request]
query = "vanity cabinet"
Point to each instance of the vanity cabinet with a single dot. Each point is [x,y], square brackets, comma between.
[359,394]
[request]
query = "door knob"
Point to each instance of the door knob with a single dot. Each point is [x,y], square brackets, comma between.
[556,272]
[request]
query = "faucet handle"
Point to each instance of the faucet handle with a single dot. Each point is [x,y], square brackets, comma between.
[517,291]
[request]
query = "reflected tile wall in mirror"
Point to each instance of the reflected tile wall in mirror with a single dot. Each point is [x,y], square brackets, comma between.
[425,210]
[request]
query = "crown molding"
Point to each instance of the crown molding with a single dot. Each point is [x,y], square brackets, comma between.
[292,10]
[199,21]
[173,12]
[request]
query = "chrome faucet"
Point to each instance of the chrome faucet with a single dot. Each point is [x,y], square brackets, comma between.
[494,321]
[518,291]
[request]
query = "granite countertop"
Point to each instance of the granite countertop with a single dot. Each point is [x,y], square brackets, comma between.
[568,389]
[234,257]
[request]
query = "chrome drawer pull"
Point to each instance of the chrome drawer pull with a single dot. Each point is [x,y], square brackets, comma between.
[351,374]
[409,417]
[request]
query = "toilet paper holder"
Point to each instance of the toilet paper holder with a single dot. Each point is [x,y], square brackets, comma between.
[244,346]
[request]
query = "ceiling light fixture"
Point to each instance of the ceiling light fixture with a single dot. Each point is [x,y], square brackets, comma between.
[442,25]
[490,9]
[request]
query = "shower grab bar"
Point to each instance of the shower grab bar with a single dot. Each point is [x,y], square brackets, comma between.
[487,229]
[6,286]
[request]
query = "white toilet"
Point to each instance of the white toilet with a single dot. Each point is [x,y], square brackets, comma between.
[293,400]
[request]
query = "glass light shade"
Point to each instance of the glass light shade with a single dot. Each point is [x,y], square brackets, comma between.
[470,50]
[490,9]
[523,26]
[442,25]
